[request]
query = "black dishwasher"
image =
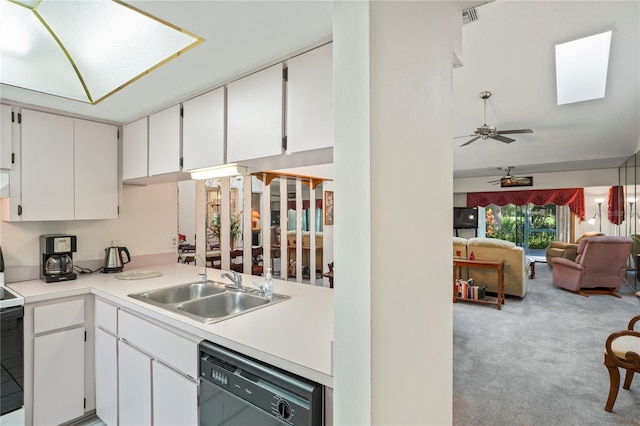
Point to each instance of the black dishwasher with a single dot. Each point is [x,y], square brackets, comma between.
[238,390]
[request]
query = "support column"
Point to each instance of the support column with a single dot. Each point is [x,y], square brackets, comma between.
[393,163]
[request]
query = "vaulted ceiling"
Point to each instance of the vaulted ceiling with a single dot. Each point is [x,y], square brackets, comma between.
[508,50]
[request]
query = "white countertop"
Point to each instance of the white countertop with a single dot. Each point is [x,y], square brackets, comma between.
[295,335]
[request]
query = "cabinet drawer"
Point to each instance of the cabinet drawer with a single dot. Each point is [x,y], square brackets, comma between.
[59,315]
[106,316]
[162,344]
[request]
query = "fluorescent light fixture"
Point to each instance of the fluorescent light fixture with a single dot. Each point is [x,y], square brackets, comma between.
[218,172]
[581,68]
[83,50]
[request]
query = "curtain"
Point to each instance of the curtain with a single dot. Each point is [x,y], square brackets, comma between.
[616,205]
[573,197]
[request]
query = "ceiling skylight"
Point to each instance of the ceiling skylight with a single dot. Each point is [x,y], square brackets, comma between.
[581,68]
[83,50]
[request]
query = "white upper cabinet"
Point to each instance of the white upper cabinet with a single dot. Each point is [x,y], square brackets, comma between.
[135,139]
[165,141]
[203,130]
[96,170]
[255,115]
[6,128]
[67,170]
[47,166]
[310,100]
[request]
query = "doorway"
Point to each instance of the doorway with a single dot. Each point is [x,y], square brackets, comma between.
[530,227]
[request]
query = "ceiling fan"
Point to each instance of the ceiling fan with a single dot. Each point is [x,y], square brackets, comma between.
[508,180]
[485,131]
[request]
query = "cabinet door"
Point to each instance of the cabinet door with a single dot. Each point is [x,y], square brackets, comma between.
[165,141]
[96,170]
[203,130]
[106,370]
[255,115]
[58,377]
[47,166]
[175,398]
[5,136]
[310,100]
[135,152]
[134,375]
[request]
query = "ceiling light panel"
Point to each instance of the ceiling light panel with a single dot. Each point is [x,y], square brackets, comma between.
[581,68]
[106,45]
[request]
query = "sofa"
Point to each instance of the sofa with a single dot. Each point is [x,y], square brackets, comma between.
[516,266]
[565,250]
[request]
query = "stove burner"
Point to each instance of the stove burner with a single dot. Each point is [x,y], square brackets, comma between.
[6,295]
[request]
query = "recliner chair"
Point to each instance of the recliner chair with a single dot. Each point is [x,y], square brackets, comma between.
[600,266]
[567,250]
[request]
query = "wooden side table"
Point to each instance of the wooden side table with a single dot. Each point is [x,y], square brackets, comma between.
[486,264]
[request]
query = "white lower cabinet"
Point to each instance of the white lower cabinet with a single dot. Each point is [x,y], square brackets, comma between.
[175,398]
[59,384]
[146,373]
[58,377]
[134,374]
[106,377]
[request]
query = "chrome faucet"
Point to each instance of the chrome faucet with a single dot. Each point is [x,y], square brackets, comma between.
[236,278]
[204,275]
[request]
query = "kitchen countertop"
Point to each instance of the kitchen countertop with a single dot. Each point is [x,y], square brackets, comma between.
[295,335]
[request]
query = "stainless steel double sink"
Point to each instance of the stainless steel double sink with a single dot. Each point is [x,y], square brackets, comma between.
[207,302]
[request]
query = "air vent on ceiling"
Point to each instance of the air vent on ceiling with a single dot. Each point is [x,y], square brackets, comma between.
[469,15]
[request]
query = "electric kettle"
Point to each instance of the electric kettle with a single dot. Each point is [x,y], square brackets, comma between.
[113,259]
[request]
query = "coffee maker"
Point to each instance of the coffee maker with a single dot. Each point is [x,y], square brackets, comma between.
[56,259]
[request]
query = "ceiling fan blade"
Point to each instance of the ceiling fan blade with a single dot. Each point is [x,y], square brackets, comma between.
[506,132]
[502,138]
[494,181]
[465,136]
[471,140]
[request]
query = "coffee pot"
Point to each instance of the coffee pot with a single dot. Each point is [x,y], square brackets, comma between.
[56,259]
[113,261]
[58,264]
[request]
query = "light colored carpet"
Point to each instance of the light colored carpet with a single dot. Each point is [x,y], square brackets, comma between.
[539,361]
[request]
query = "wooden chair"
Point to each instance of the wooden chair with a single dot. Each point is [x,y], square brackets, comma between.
[329,274]
[622,350]
[237,267]
[257,262]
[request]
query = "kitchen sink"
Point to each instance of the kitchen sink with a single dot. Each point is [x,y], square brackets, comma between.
[208,303]
[225,304]
[180,293]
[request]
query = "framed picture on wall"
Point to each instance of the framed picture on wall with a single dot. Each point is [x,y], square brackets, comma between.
[328,207]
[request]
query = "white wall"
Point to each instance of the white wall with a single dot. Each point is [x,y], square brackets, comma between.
[148,220]
[392,114]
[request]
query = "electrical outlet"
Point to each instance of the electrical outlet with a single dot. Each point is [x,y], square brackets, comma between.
[174,242]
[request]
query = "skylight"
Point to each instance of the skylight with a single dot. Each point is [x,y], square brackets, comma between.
[83,50]
[581,68]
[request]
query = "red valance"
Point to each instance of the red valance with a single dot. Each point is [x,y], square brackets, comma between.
[616,205]
[573,197]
